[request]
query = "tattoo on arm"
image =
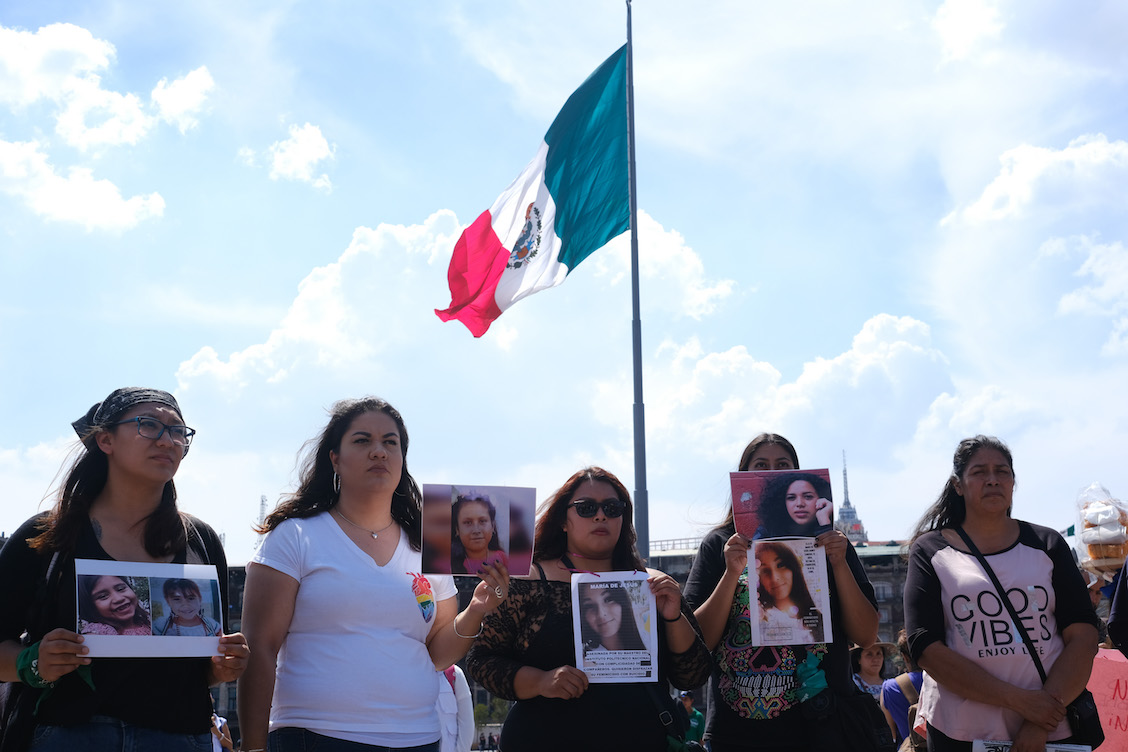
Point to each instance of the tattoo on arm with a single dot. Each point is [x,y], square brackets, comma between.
[97,528]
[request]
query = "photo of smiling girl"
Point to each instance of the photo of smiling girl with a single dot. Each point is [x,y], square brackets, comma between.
[186,610]
[111,605]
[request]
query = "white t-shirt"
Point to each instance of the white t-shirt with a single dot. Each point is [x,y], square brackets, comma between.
[354,664]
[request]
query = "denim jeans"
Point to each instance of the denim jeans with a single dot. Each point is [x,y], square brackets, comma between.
[300,740]
[105,734]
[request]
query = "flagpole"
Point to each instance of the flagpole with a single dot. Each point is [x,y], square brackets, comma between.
[641,496]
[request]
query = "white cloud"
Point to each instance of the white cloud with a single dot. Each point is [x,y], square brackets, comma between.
[78,197]
[1106,264]
[964,24]
[1061,179]
[179,102]
[44,64]
[329,323]
[61,63]
[117,118]
[873,391]
[297,157]
[673,273]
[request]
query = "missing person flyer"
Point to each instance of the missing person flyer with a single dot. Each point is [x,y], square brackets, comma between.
[782,503]
[614,621]
[466,527]
[792,603]
[141,609]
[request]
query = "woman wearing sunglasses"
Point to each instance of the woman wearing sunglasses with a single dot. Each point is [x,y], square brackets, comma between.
[118,502]
[526,649]
[780,698]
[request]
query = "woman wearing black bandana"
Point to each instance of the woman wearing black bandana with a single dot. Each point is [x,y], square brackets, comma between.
[118,502]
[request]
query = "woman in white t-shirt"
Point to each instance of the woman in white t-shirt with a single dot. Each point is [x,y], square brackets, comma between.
[347,631]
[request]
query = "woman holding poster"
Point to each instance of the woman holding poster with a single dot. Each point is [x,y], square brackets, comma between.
[348,633]
[117,502]
[779,697]
[526,652]
[980,681]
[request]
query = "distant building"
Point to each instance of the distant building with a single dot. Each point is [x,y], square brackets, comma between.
[845,518]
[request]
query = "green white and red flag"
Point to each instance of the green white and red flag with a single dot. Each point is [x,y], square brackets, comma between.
[567,203]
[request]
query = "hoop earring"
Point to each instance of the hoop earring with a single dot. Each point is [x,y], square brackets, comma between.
[336,483]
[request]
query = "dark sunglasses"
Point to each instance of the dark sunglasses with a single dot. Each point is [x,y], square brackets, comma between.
[612,508]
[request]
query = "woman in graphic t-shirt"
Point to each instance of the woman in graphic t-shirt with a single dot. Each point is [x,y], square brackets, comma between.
[780,697]
[979,682]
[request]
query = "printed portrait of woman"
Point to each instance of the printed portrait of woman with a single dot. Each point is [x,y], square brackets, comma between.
[111,605]
[607,618]
[186,609]
[796,504]
[787,610]
[474,538]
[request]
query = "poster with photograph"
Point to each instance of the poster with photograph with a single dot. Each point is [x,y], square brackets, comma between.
[465,526]
[138,609]
[983,745]
[782,503]
[792,604]
[614,620]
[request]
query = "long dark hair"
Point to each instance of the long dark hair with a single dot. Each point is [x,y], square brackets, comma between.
[551,542]
[629,636]
[773,505]
[165,527]
[315,492]
[800,594]
[746,460]
[457,550]
[950,510]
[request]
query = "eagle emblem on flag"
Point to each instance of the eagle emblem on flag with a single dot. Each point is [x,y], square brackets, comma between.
[528,242]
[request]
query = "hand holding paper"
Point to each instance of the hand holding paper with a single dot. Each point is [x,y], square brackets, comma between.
[60,652]
[232,660]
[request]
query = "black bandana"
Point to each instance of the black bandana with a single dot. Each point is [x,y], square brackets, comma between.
[118,402]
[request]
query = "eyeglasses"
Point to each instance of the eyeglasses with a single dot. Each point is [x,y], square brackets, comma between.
[151,428]
[611,508]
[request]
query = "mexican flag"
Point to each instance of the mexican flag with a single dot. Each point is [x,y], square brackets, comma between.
[569,201]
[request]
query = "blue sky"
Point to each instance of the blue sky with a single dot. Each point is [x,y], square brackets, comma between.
[876,228]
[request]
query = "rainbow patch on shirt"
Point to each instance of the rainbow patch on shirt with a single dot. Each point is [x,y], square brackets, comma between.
[424,596]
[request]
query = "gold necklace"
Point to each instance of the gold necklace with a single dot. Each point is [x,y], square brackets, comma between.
[373,533]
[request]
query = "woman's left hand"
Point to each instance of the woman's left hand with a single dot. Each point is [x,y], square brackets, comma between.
[667,596]
[232,659]
[491,591]
[835,542]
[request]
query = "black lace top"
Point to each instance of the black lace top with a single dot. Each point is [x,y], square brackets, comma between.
[533,627]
